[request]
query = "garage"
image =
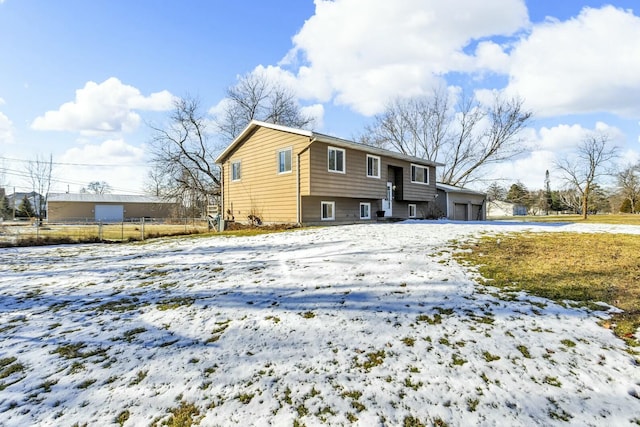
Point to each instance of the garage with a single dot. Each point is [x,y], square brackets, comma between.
[109,213]
[460,212]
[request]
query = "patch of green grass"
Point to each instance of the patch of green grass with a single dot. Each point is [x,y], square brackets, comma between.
[435,320]
[141,375]
[408,341]
[411,421]
[219,330]
[472,404]
[123,417]
[490,357]
[185,415]
[351,417]
[245,397]
[129,335]
[581,267]
[120,306]
[275,319]
[86,384]
[524,350]
[173,303]
[568,343]
[414,386]
[308,314]
[457,360]
[373,359]
[552,381]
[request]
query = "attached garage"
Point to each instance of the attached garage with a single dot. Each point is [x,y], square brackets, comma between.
[461,204]
[105,207]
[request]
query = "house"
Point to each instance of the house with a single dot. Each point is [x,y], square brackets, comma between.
[461,204]
[277,174]
[498,208]
[105,207]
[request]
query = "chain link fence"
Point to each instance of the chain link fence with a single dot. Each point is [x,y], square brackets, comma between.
[27,233]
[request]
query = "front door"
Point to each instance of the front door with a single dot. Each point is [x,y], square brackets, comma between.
[387,202]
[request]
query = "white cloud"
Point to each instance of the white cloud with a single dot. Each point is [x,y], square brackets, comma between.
[102,108]
[113,161]
[110,152]
[6,129]
[316,111]
[590,63]
[363,52]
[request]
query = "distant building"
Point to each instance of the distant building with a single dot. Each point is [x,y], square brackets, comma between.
[498,208]
[105,207]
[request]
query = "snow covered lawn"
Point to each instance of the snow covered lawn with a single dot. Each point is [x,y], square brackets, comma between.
[366,324]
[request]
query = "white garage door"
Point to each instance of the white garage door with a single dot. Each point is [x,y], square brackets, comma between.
[109,213]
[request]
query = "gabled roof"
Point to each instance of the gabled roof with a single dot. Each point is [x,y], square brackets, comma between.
[453,189]
[315,136]
[103,198]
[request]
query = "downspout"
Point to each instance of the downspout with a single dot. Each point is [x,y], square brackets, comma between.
[298,200]
[298,178]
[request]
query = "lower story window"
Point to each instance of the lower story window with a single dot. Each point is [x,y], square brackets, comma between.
[412,211]
[365,210]
[328,211]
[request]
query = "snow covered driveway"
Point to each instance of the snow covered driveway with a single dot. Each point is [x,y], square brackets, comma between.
[366,325]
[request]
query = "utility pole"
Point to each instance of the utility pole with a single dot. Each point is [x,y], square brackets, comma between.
[14,203]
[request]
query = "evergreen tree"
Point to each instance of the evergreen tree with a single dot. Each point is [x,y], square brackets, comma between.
[5,209]
[26,209]
[548,198]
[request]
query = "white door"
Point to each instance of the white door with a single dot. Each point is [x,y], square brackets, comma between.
[109,213]
[387,203]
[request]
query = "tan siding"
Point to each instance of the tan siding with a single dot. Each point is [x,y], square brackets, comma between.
[85,211]
[261,191]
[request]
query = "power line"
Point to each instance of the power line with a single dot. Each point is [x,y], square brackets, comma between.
[76,164]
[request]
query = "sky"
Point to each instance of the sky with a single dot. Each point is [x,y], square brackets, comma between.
[83,82]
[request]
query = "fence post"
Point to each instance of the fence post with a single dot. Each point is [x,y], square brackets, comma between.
[142,228]
[100,231]
[122,231]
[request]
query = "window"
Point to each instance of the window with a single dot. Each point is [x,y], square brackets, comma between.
[373,166]
[420,174]
[365,210]
[235,171]
[328,211]
[336,160]
[412,211]
[284,160]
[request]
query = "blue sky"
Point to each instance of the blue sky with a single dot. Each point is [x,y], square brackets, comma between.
[80,80]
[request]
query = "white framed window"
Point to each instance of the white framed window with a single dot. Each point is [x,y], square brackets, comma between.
[328,211]
[284,160]
[373,166]
[365,210]
[236,172]
[336,160]
[419,174]
[412,211]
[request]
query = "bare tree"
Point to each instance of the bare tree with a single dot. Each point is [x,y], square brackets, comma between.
[465,139]
[629,185]
[591,161]
[256,97]
[97,187]
[183,151]
[40,173]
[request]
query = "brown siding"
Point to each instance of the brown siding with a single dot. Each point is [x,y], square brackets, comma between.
[355,182]
[347,210]
[261,191]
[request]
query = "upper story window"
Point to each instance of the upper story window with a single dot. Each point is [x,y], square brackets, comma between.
[236,171]
[419,174]
[336,160]
[373,166]
[284,160]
